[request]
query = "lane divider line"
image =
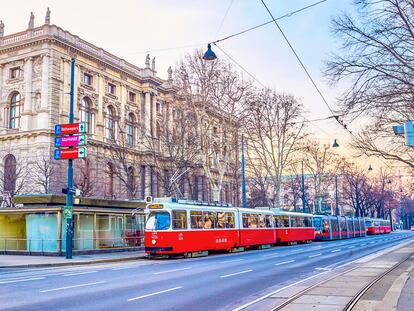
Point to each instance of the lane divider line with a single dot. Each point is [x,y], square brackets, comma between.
[284,262]
[237,273]
[336,250]
[21,280]
[172,270]
[73,286]
[79,273]
[156,293]
[316,255]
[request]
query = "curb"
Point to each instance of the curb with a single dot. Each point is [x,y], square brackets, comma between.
[73,263]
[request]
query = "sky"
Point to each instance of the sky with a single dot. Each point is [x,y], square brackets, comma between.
[168,29]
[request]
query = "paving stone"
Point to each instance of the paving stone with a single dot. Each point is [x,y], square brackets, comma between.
[343,284]
[323,300]
[311,307]
[334,291]
[289,292]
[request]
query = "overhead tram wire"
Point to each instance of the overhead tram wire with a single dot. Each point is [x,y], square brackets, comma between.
[264,86]
[235,34]
[224,18]
[304,68]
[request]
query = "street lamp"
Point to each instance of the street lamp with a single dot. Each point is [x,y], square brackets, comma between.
[209,54]
[370,168]
[335,144]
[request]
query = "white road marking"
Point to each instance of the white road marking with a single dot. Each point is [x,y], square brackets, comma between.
[73,286]
[156,293]
[21,280]
[284,262]
[233,260]
[336,250]
[79,273]
[128,267]
[237,273]
[276,291]
[363,244]
[311,256]
[322,269]
[351,246]
[173,270]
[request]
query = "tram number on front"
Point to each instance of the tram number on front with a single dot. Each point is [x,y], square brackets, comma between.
[180,237]
[221,240]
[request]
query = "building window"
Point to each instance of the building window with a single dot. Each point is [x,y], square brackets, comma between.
[111,88]
[130,129]
[131,180]
[110,123]
[85,114]
[13,111]
[109,180]
[87,79]
[10,174]
[132,97]
[15,73]
[158,107]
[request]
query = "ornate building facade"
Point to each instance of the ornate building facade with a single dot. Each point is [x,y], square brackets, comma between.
[111,95]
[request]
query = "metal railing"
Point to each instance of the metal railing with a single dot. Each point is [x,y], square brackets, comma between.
[29,245]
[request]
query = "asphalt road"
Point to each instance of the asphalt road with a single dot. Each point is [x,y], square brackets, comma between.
[218,282]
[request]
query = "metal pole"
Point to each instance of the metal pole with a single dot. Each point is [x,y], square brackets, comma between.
[69,195]
[243,185]
[336,196]
[303,192]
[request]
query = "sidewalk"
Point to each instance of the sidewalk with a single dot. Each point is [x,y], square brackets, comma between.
[23,261]
[334,294]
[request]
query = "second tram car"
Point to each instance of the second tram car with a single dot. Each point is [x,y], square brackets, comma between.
[338,227]
[294,227]
[377,226]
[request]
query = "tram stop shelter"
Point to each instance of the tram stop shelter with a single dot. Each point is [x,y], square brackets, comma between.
[35,226]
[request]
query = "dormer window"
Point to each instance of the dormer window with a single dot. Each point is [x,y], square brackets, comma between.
[15,73]
[111,88]
[87,79]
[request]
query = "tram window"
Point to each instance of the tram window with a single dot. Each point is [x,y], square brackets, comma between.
[368,223]
[268,221]
[334,223]
[343,224]
[261,223]
[297,221]
[250,221]
[158,221]
[209,220]
[282,221]
[307,221]
[221,220]
[317,222]
[197,221]
[179,220]
[326,225]
[230,220]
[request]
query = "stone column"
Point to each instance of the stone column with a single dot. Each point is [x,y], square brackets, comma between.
[27,107]
[43,113]
[1,81]
[148,180]
[154,115]
[147,113]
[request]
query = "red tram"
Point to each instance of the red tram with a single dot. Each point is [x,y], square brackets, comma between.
[377,226]
[294,227]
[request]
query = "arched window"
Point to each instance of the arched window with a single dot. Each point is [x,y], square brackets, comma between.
[131,182]
[110,123]
[10,174]
[109,180]
[85,113]
[130,129]
[14,111]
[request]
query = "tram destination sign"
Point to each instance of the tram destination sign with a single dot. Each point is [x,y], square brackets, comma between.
[72,153]
[71,128]
[71,141]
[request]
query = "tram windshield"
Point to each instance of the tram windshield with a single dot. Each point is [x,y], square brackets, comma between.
[317,223]
[158,221]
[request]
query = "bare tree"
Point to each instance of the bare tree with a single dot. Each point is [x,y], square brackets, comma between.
[173,148]
[273,134]
[13,178]
[124,155]
[83,178]
[376,60]
[44,170]
[215,92]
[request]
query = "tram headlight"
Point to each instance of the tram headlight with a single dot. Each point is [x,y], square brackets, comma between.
[154,242]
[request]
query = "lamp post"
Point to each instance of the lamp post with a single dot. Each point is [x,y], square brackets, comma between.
[244,202]
[337,212]
[303,192]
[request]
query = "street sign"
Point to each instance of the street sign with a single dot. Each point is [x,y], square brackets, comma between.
[71,128]
[73,153]
[67,212]
[71,141]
